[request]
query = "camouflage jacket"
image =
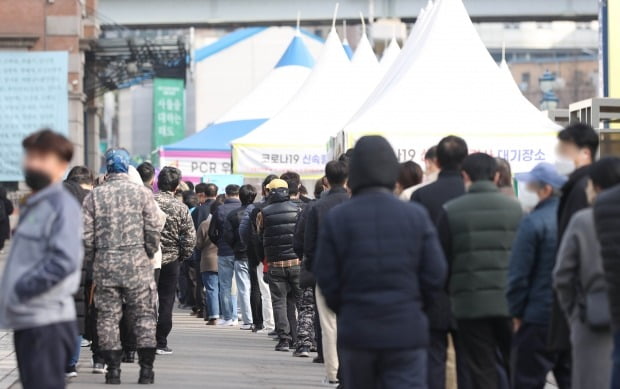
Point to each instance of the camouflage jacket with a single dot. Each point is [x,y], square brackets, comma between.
[121,232]
[178,237]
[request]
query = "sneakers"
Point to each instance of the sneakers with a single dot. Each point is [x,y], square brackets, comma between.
[302,352]
[330,384]
[212,322]
[246,327]
[71,372]
[283,345]
[164,351]
[98,368]
[228,323]
[85,343]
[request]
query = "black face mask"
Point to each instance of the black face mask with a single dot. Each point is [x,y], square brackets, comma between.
[36,179]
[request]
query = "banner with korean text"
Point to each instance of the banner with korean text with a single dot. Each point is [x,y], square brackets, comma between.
[195,165]
[33,95]
[168,111]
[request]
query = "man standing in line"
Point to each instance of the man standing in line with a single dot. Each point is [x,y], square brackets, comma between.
[121,236]
[378,259]
[530,289]
[225,256]
[276,226]
[577,148]
[178,240]
[451,151]
[43,268]
[336,173]
[477,231]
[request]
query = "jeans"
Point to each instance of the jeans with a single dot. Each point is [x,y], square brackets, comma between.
[43,352]
[386,369]
[242,276]
[166,288]
[228,303]
[268,321]
[75,358]
[212,298]
[285,292]
[615,374]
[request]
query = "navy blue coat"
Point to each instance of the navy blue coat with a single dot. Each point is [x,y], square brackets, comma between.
[223,248]
[378,259]
[530,291]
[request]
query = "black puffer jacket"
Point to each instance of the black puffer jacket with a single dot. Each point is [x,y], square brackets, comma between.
[607,221]
[231,233]
[279,219]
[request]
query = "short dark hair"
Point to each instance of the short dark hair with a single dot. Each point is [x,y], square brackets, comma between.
[48,141]
[81,175]
[346,157]
[505,173]
[318,187]
[266,182]
[201,188]
[168,179]
[303,190]
[605,173]
[247,194]
[232,190]
[190,185]
[336,173]
[451,152]
[209,189]
[190,199]
[291,178]
[410,174]
[480,167]
[146,171]
[581,135]
[431,154]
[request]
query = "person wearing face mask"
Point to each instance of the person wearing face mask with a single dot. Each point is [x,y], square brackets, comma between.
[579,280]
[577,148]
[43,269]
[530,292]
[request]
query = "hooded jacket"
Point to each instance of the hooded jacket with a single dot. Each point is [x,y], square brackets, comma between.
[378,257]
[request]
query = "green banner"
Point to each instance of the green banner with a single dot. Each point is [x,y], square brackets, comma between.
[168,111]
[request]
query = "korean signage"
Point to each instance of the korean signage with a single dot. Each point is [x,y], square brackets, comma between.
[33,95]
[168,111]
[197,164]
[253,161]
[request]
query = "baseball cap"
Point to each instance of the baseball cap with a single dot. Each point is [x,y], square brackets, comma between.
[543,172]
[277,184]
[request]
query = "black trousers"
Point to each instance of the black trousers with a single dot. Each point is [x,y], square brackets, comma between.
[199,288]
[531,360]
[166,289]
[438,356]
[285,292]
[43,353]
[256,302]
[486,346]
[186,285]
[383,369]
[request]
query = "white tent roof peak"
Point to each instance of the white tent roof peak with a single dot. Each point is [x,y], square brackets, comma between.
[391,52]
[364,55]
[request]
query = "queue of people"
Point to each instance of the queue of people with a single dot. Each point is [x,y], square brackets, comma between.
[395,277]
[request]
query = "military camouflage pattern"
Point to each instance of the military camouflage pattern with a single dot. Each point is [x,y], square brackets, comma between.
[140,310]
[178,237]
[121,233]
[305,318]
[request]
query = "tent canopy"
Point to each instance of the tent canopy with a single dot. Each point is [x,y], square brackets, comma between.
[265,101]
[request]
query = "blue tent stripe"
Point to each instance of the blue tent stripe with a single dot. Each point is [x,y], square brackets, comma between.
[348,50]
[226,41]
[216,137]
[296,54]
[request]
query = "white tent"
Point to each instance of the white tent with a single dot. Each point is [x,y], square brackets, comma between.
[229,68]
[296,138]
[390,54]
[449,84]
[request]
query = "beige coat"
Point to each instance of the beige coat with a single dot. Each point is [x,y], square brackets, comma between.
[208,249]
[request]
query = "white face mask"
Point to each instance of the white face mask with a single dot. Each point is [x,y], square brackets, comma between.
[528,200]
[565,166]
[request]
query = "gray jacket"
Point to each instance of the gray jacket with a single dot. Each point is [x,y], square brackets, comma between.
[43,268]
[579,267]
